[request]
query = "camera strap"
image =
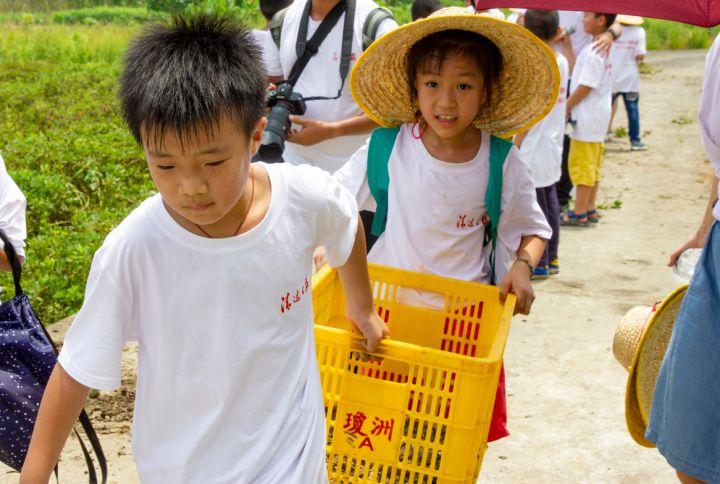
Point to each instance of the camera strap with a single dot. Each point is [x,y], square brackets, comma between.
[306,49]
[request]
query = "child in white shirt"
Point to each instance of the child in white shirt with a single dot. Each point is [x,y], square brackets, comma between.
[12,216]
[268,8]
[625,57]
[542,146]
[437,218]
[212,277]
[589,103]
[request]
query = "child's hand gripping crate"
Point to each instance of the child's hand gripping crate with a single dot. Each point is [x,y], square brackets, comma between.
[419,410]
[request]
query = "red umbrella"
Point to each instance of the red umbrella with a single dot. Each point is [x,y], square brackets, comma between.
[704,13]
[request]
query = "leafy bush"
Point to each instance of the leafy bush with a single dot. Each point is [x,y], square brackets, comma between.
[248,11]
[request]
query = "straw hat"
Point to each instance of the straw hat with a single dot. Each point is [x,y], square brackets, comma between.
[630,20]
[527,90]
[640,342]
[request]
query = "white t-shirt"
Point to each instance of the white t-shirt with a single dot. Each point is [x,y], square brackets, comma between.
[261,37]
[625,72]
[12,211]
[592,113]
[543,145]
[709,115]
[228,388]
[436,212]
[573,21]
[321,77]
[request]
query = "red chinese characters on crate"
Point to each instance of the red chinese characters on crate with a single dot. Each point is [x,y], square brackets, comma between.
[353,428]
[289,299]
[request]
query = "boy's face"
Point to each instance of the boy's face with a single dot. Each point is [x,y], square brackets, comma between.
[594,24]
[449,97]
[204,179]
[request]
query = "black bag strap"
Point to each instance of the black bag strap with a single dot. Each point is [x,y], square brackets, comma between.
[306,49]
[14,260]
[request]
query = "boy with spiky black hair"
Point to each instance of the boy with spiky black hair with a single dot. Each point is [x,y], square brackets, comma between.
[211,277]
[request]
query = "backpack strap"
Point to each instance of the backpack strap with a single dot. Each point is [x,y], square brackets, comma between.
[382,141]
[499,149]
[372,24]
[275,26]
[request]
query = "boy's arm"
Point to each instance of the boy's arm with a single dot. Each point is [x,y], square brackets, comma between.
[61,404]
[356,284]
[580,93]
[517,279]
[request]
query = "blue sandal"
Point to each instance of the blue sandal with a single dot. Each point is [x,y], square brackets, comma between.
[572,219]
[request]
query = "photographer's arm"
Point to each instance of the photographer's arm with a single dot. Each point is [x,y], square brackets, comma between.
[314,131]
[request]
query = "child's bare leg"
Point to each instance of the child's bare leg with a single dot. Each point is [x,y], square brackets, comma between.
[582,198]
[592,199]
[685,479]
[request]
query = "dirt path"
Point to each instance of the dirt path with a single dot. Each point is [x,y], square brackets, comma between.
[565,390]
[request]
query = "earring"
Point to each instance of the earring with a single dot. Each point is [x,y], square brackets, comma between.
[420,126]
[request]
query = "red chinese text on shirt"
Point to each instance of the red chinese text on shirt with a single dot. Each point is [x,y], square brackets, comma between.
[287,301]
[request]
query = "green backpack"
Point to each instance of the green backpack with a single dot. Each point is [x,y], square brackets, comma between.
[382,142]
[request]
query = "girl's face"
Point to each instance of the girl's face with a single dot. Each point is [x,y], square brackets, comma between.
[450,96]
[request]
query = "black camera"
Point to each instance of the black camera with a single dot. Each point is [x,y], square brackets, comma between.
[282,102]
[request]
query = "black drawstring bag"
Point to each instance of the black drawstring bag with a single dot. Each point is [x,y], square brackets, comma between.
[27,357]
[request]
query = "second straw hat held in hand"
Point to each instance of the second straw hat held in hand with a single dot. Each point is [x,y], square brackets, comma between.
[527,91]
[640,343]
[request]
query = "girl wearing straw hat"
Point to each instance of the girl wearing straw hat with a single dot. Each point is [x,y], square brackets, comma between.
[444,88]
[685,417]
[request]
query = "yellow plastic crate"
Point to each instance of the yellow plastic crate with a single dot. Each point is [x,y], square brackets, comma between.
[418,411]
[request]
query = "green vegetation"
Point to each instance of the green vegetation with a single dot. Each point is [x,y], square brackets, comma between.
[64,141]
[66,146]
[662,34]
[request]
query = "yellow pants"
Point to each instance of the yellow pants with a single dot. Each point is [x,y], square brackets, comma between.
[584,162]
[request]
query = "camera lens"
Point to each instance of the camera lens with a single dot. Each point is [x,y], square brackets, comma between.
[276,132]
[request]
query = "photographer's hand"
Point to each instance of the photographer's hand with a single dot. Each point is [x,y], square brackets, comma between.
[312,132]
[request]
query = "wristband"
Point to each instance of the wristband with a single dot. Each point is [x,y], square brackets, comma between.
[527,262]
[614,34]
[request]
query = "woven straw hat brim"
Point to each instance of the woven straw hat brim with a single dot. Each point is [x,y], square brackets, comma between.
[645,365]
[632,20]
[527,91]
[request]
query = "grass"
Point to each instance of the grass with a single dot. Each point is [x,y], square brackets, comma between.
[65,145]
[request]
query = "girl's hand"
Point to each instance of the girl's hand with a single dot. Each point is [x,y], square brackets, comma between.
[312,132]
[319,258]
[371,326]
[696,242]
[517,281]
